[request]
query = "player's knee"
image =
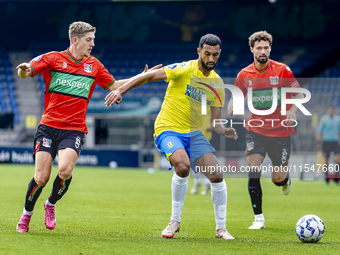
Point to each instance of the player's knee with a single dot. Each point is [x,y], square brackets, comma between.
[65,176]
[41,180]
[182,169]
[65,173]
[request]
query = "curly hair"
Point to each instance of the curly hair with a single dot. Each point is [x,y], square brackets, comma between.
[260,36]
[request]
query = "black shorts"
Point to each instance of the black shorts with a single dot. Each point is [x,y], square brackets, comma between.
[278,148]
[328,147]
[52,140]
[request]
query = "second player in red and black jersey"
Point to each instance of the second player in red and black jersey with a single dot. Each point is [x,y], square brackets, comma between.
[267,134]
[262,82]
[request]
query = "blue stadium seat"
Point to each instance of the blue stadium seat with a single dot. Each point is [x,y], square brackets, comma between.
[15,109]
[4,107]
[16,118]
[8,71]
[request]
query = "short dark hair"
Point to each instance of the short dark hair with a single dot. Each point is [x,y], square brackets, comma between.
[211,40]
[260,36]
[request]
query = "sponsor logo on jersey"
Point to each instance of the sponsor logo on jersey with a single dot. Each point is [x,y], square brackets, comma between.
[196,93]
[73,84]
[87,68]
[250,146]
[47,143]
[264,98]
[64,65]
[36,58]
[274,80]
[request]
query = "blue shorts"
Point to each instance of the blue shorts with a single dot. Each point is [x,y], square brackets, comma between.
[194,143]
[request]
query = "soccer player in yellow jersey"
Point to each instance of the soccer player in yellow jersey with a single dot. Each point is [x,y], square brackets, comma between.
[177,127]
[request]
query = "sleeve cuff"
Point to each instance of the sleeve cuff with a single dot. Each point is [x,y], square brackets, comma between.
[110,84]
[33,71]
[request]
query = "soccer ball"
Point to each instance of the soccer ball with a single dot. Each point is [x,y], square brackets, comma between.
[310,228]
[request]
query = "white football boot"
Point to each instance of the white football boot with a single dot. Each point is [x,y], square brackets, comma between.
[223,234]
[257,224]
[286,188]
[171,229]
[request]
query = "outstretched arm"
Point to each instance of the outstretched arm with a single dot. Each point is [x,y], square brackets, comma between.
[116,95]
[120,83]
[24,70]
[220,128]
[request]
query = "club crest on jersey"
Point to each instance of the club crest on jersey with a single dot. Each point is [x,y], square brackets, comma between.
[87,68]
[274,80]
[64,64]
[47,143]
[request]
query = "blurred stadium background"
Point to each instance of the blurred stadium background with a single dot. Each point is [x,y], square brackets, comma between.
[132,34]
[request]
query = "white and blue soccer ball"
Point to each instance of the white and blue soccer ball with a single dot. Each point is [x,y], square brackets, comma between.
[310,228]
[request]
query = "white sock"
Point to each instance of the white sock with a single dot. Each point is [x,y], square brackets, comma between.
[259,216]
[49,203]
[179,190]
[219,199]
[27,212]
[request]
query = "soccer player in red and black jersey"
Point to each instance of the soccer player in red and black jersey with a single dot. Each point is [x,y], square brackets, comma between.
[266,133]
[70,77]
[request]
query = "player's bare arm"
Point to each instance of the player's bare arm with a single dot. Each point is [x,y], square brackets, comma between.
[24,70]
[120,83]
[219,128]
[116,95]
[291,113]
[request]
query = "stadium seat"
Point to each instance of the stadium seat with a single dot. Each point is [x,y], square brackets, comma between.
[16,118]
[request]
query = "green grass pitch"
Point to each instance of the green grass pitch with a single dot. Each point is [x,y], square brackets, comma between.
[123,211]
